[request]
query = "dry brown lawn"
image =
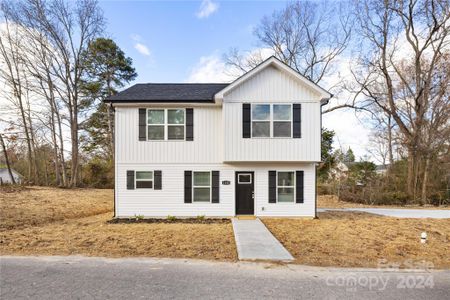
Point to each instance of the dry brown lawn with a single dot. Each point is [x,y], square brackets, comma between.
[332,201]
[32,206]
[52,221]
[350,239]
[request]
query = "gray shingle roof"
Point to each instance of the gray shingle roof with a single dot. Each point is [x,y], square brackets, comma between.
[171,92]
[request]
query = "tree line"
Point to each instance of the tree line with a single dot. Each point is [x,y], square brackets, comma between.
[55,70]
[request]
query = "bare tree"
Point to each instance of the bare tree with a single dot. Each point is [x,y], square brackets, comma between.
[5,154]
[406,47]
[308,36]
[12,76]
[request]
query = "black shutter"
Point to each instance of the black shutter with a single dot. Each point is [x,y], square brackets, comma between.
[272,186]
[158,180]
[130,180]
[189,124]
[297,120]
[246,120]
[215,186]
[142,124]
[299,178]
[187,186]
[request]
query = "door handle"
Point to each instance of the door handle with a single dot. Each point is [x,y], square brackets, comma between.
[253,195]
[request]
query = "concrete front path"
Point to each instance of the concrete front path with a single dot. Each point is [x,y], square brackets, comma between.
[398,212]
[255,242]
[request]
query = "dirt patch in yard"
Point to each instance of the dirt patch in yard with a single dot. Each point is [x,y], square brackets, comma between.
[32,206]
[348,239]
[332,201]
[170,221]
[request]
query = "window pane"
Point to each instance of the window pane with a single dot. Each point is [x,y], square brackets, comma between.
[261,112]
[175,116]
[281,112]
[245,178]
[282,129]
[285,178]
[155,132]
[155,116]
[144,175]
[201,194]
[175,132]
[201,178]
[144,184]
[260,129]
[285,194]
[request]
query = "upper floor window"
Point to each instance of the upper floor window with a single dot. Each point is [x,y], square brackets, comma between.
[271,120]
[166,124]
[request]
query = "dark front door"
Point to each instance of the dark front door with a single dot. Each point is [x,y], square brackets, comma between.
[245,184]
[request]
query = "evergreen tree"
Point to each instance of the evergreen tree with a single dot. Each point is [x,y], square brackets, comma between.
[328,158]
[107,70]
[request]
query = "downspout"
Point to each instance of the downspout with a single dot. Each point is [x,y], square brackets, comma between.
[323,101]
[114,154]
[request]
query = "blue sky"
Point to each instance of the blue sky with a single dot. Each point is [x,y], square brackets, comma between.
[176,36]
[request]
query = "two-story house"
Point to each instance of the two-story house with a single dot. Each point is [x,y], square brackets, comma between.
[219,150]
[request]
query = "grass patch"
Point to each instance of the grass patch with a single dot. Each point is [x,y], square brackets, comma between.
[349,239]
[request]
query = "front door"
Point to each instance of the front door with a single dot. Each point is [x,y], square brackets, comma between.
[245,191]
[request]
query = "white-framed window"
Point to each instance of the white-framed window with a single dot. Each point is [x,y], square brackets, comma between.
[285,186]
[201,186]
[271,120]
[245,178]
[144,179]
[166,124]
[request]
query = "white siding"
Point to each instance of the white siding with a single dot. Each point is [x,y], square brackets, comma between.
[205,148]
[170,200]
[271,85]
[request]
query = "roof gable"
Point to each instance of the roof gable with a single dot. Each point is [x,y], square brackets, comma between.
[279,65]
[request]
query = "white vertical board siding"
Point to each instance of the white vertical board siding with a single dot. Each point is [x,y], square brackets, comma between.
[271,86]
[306,148]
[205,148]
[170,199]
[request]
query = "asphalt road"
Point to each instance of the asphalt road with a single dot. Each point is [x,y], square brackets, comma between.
[99,278]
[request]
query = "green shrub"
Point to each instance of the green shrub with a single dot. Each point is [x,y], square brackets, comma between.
[171,218]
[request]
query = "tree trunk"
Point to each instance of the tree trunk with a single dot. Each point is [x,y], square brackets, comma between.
[5,153]
[425,180]
[390,152]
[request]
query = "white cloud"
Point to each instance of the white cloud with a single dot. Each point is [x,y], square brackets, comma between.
[210,69]
[207,8]
[142,49]
[139,45]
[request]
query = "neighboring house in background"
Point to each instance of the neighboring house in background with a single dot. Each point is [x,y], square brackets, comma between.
[246,148]
[6,178]
[381,169]
[339,171]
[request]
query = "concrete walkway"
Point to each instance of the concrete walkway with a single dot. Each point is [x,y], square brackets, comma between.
[398,212]
[255,242]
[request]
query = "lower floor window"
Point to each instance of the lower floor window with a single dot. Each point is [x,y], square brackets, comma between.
[144,179]
[201,187]
[285,186]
